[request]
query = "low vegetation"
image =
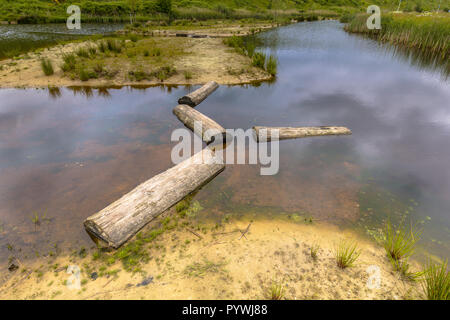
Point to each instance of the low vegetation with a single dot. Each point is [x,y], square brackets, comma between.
[314,251]
[47,67]
[424,35]
[146,59]
[247,46]
[399,244]
[436,281]
[346,254]
[276,291]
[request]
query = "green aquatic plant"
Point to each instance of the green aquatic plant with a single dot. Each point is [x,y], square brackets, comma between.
[276,291]
[272,65]
[346,254]
[436,281]
[259,60]
[47,67]
[399,242]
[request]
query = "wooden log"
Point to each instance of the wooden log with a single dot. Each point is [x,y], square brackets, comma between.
[118,222]
[195,98]
[209,129]
[301,132]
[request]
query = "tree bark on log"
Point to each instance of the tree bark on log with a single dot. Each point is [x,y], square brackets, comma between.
[208,130]
[118,222]
[195,98]
[301,132]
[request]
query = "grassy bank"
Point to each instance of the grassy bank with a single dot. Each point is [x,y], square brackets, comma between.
[52,11]
[427,37]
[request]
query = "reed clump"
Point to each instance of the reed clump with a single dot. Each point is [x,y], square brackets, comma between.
[436,281]
[247,46]
[47,67]
[423,33]
[276,291]
[346,254]
[399,244]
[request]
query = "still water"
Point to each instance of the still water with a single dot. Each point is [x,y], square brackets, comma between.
[65,154]
[15,39]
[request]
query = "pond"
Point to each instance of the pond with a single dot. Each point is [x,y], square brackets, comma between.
[67,153]
[15,39]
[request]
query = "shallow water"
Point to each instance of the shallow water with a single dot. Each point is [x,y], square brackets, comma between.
[15,39]
[65,154]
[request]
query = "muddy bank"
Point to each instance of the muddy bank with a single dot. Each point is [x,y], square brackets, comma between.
[217,262]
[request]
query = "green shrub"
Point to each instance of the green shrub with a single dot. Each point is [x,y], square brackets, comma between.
[134,38]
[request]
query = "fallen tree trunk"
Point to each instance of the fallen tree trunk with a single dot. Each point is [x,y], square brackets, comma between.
[294,133]
[118,222]
[195,98]
[206,128]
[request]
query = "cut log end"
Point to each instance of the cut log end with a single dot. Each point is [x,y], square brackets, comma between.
[121,220]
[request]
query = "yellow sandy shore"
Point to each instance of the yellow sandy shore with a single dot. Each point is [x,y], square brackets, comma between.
[222,265]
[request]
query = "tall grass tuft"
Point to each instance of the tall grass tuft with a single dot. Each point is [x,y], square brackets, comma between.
[400,242]
[426,34]
[346,254]
[314,251]
[436,281]
[272,65]
[276,291]
[47,67]
[69,62]
[259,60]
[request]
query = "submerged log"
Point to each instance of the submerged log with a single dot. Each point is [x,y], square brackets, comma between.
[118,222]
[195,98]
[301,132]
[206,128]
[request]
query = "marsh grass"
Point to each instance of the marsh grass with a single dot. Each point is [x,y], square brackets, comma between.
[69,62]
[346,254]
[188,75]
[272,65]
[436,281]
[403,267]
[276,291]
[427,36]
[82,52]
[399,242]
[47,67]
[314,251]
[259,60]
